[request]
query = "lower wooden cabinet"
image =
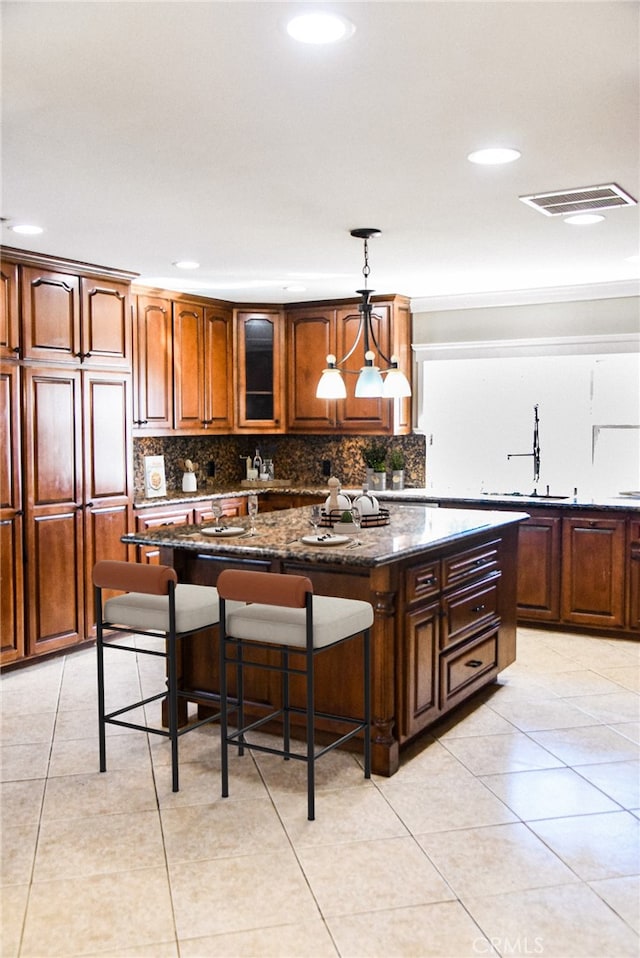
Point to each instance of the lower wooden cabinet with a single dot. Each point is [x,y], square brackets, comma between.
[593,571]
[450,631]
[538,568]
[152,517]
[633,575]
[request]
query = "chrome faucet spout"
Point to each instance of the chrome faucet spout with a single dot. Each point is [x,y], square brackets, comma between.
[535,454]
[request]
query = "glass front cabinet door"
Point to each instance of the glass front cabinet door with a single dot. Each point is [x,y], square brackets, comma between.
[259,349]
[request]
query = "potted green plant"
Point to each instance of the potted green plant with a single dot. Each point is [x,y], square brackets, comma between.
[375,456]
[396,465]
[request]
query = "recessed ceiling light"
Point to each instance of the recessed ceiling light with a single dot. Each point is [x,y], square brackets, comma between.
[27,230]
[494,156]
[187,264]
[319,27]
[583,219]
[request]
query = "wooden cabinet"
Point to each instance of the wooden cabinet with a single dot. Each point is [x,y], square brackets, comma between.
[106,323]
[11,518]
[78,477]
[633,575]
[67,469]
[9,325]
[153,364]
[539,567]
[258,354]
[593,571]
[108,474]
[317,330]
[452,619]
[53,509]
[181,514]
[72,319]
[230,507]
[202,363]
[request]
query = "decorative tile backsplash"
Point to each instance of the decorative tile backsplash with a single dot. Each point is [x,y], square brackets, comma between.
[221,459]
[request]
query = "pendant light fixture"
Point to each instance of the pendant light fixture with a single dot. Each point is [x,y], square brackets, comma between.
[370,382]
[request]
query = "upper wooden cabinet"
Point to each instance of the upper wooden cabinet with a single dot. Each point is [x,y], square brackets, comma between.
[75,320]
[317,330]
[202,364]
[259,354]
[9,320]
[153,364]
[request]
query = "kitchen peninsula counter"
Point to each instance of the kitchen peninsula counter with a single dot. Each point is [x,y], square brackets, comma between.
[443,587]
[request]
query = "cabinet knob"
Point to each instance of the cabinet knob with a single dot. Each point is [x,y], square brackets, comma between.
[16,349]
[478,608]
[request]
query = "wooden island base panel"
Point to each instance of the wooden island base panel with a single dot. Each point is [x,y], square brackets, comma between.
[443,587]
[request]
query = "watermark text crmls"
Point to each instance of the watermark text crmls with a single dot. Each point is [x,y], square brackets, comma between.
[521,945]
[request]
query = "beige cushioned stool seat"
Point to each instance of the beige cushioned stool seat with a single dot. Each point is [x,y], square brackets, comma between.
[196,608]
[333,619]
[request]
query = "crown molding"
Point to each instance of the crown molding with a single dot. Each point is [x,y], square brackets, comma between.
[544,346]
[526,297]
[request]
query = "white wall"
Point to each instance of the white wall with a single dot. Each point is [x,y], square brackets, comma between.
[476,411]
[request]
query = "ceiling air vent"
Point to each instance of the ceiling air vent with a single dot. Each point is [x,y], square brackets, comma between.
[584,200]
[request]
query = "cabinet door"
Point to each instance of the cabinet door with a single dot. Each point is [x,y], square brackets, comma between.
[53,514]
[50,315]
[593,571]
[106,323]
[310,338]
[188,365]
[362,415]
[633,553]
[259,393]
[218,345]
[421,648]
[9,327]
[11,528]
[153,365]
[107,474]
[539,568]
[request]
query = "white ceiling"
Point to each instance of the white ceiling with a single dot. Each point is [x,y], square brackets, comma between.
[138,134]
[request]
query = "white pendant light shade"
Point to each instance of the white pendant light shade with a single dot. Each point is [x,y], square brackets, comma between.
[331,385]
[369,384]
[396,384]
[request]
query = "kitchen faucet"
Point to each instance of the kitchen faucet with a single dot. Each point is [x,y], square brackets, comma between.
[535,454]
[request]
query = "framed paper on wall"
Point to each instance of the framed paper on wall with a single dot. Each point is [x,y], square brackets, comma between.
[155,483]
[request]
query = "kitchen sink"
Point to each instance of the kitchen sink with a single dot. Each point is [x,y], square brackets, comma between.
[524,495]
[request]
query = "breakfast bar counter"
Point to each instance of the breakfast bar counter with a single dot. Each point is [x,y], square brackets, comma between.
[442,584]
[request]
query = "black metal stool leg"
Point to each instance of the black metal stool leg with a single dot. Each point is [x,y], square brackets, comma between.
[173,710]
[311,750]
[224,750]
[100,655]
[367,703]
[286,724]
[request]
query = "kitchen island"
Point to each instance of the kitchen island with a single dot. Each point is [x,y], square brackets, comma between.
[443,587]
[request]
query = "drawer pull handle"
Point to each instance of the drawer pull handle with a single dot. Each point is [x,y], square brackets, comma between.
[426,579]
[478,608]
[474,663]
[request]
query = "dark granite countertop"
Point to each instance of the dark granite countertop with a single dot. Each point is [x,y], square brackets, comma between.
[406,496]
[412,530]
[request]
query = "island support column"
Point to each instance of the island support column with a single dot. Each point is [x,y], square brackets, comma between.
[385,751]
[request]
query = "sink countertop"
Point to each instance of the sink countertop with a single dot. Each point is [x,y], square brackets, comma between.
[412,530]
[402,496]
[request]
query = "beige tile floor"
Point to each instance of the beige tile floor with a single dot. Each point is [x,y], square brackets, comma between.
[512,829]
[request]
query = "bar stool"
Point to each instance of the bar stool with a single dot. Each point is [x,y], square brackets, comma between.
[283,613]
[153,604]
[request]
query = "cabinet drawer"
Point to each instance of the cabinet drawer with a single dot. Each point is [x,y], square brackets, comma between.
[464,566]
[182,518]
[462,668]
[422,581]
[467,610]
